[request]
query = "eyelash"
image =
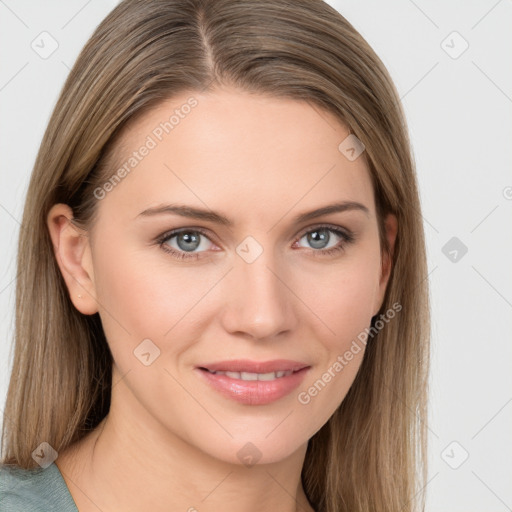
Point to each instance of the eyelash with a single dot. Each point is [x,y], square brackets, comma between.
[347,238]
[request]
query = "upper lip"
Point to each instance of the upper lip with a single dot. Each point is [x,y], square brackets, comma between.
[245,365]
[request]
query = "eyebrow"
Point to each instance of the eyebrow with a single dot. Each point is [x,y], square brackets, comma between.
[209,215]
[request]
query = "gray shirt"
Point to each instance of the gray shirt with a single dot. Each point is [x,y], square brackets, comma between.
[34,490]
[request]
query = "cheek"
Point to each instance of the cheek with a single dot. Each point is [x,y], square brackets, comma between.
[138,300]
[345,295]
[131,287]
[344,302]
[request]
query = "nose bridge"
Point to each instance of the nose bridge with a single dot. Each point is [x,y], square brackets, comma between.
[258,302]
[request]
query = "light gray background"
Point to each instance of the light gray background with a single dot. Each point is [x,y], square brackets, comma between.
[459,116]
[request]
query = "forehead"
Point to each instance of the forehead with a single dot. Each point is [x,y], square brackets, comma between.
[235,149]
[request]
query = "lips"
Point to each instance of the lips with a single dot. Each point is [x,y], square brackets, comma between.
[253,382]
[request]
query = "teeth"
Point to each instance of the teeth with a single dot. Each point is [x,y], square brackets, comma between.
[267,376]
[248,376]
[254,376]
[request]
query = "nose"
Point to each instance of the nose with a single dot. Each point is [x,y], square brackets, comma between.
[259,302]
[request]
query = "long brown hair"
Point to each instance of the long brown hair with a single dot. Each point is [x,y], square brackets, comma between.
[371,454]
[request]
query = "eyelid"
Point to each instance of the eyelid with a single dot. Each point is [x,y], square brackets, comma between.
[345,231]
[177,231]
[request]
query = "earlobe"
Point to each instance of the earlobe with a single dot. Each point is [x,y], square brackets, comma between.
[72,252]
[391,229]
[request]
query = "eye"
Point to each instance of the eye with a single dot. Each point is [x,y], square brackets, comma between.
[183,243]
[188,243]
[321,240]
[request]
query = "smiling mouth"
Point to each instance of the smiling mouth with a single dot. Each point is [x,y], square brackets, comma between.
[254,388]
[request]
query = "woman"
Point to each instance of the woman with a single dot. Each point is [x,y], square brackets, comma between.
[221,297]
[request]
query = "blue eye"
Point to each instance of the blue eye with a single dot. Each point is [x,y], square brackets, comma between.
[320,237]
[185,242]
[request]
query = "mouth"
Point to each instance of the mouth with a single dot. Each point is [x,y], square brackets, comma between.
[254,383]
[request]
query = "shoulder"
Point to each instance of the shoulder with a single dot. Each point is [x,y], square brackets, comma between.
[34,490]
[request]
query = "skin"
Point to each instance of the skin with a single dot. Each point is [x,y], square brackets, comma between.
[170,442]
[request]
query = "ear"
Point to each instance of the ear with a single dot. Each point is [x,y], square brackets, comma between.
[391,230]
[73,254]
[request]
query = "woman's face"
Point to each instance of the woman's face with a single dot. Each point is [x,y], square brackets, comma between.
[261,285]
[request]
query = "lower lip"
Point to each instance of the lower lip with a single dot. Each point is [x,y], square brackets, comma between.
[254,392]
